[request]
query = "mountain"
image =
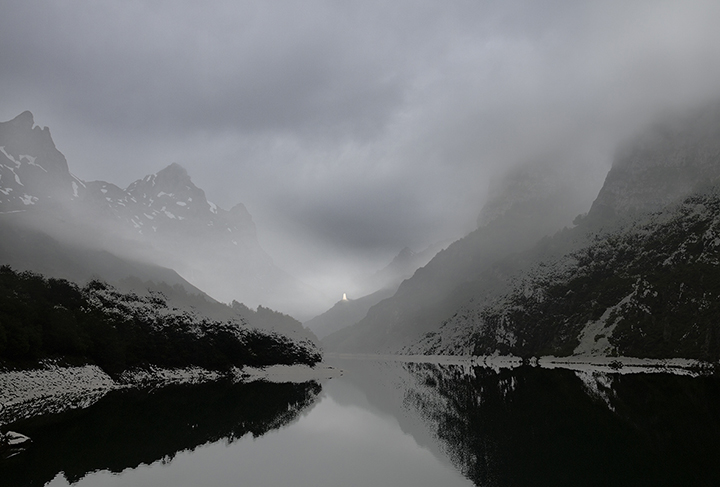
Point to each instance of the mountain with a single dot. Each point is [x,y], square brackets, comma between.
[380,285]
[511,287]
[216,249]
[401,267]
[26,248]
[637,276]
[162,219]
[43,319]
[345,312]
[32,170]
[532,201]
[662,165]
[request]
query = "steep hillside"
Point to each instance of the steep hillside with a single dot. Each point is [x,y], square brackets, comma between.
[639,277]
[379,286]
[519,214]
[650,289]
[96,324]
[25,247]
[346,312]
[162,219]
[401,267]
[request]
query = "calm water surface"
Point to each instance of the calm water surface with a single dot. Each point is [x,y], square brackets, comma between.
[389,423]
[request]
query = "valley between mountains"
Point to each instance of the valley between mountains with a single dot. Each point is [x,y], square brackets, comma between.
[156,277]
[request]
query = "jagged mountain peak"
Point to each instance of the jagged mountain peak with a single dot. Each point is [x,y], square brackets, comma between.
[662,165]
[24,120]
[170,191]
[21,135]
[174,172]
[162,218]
[32,170]
[173,177]
[240,216]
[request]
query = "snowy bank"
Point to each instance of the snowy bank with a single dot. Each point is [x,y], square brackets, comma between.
[53,389]
[619,365]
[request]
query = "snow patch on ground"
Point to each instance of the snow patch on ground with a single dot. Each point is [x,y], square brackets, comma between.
[53,389]
[28,200]
[12,159]
[156,376]
[28,393]
[594,338]
[613,365]
[627,365]
[287,373]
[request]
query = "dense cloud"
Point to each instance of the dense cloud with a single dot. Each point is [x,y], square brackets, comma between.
[351,129]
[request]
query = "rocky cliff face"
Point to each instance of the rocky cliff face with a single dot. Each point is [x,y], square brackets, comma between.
[522,211]
[650,289]
[163,218]
[663,165]
[637,276]
[32,171]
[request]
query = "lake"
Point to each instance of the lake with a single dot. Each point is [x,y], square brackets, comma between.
[389,423]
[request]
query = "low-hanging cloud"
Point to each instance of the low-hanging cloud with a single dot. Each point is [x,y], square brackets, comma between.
[351,129]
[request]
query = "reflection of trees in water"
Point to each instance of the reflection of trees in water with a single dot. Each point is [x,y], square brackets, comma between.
[532,426]
[129,428]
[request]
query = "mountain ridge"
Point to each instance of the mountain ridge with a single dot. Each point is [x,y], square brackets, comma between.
[162,218]
[448,279]
[474,297]
[635,277]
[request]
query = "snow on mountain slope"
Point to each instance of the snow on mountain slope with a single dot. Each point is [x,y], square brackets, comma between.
[32,170]
[162,219]
[636,276]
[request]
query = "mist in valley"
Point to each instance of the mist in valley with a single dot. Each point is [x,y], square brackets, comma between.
[359,243]
[351,132]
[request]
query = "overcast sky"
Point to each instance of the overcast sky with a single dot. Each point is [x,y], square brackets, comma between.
[350,129]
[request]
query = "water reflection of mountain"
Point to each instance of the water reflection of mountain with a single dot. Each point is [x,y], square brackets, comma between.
[532,426]
[385,386]
[129,428]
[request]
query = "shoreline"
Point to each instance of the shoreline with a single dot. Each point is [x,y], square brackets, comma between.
[53,389]
[584,363]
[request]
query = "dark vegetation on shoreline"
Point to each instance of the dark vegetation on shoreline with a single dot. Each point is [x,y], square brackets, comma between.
[45,318]
[654,285]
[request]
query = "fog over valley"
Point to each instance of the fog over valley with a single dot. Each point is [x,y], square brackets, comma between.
[350,132]
[359,243]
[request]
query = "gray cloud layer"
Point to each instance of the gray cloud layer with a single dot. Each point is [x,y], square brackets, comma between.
[351,129]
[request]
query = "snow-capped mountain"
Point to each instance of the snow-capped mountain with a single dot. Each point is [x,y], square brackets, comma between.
[169,204]
[637,276]
[32,170]
[622,280]
[163,218]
